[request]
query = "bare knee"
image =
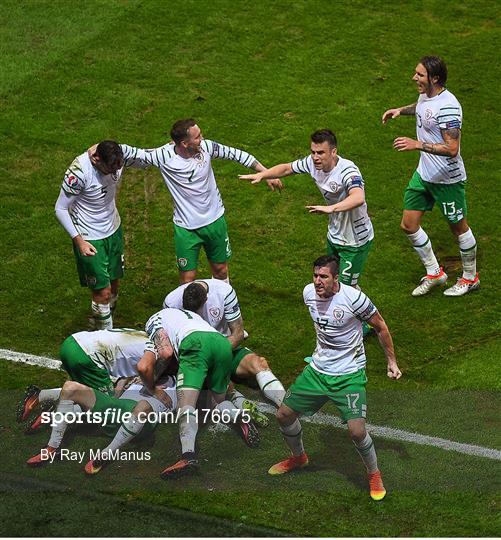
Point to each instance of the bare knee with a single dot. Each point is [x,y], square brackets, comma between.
[408,226]
[286,416]
[259,363]
[142,407]
[102,296]
[70,390]
[219,270]
[357,430]
[459,228]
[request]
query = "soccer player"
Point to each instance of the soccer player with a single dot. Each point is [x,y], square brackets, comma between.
[350,232]
[337,369]
[217,303]
[203,353]
[440,176]
[135,400]
[86,209]
[199,219]
[91,358]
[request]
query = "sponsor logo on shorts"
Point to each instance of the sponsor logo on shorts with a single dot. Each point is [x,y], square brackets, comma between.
[91,280]
[182,262]
[288,394]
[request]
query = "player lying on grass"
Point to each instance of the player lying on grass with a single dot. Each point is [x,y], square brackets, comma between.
[134,399]
[203,354]
[217,303]
[90,358]
[337,368]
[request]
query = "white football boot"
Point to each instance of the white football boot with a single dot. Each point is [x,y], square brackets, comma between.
[463,286]
[428,282]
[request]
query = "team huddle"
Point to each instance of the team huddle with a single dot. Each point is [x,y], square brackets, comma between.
[192,351]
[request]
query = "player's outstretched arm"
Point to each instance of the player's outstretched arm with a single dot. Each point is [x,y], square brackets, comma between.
[408,110]
[377,322]
[273,183]
[278,171]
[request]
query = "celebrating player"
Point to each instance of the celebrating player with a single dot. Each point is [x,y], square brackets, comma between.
[440,176]
[90,358]
[203,353]
[350,232]
[337,368]
[86,209]
[217,303]
[198,218]
[135,400]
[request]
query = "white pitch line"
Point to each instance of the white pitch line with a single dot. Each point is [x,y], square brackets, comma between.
[318,418]
[30,359]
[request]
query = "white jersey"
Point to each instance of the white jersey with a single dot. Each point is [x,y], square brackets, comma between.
[138,392]
[351,228]
[221,308]
[177,324]
[93,213]
[117,351]
[338,324]
[432,115]
[191,182]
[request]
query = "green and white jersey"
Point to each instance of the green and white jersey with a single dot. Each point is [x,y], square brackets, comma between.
[353,227]
[191,182]
[117,351]
[177,324]
[440,112]
[338,324]
[93,212]
[221,308]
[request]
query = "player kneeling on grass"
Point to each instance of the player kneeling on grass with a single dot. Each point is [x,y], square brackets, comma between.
[203,353]
[135,400]
[217,303]
[337,368]
[90,358]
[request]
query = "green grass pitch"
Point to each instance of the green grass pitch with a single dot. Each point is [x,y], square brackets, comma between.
[261,76]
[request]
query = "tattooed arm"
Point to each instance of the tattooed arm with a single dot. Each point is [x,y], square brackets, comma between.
[146,367]
[408,110]
[450,146]
[237,332]
[273,183]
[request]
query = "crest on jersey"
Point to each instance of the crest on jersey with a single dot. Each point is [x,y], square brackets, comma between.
[338,314]
[427,116]
[182,262]
[334,187]
[215,313]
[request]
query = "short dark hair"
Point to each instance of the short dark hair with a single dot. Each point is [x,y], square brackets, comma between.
[330,261]
[109,152]
[324,135]
[435,67]
[179,131]
[194,296]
